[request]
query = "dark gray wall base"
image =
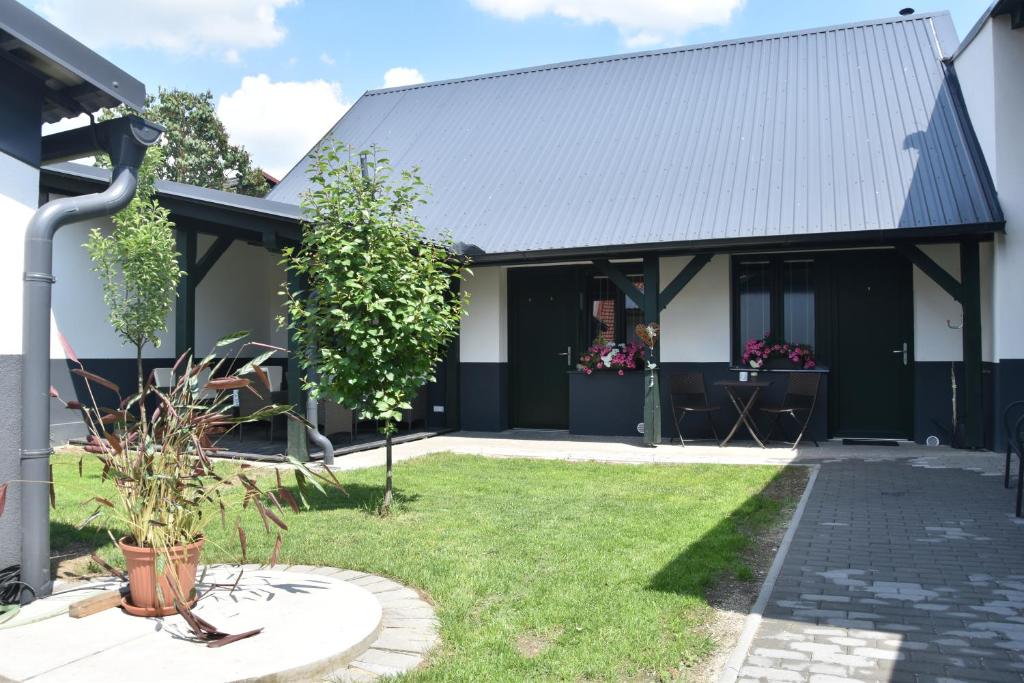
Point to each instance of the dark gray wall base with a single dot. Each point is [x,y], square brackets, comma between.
[1008,386]
[67,424]
[696,427]
[933,400]
[605,404]
[10,461]
[483,396]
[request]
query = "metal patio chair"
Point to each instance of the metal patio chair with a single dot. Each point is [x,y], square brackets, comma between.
[801,397]
[1015,446]
[1014,409]
[688,396]
[249,403]
[336,419]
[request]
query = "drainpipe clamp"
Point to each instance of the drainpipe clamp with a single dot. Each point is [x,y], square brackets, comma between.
[39,277]
[36,453]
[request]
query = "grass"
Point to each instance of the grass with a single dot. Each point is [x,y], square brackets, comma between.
[539,570]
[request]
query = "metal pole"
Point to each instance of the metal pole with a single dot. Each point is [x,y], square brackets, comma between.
[126,141]
[652,387]
[973,401]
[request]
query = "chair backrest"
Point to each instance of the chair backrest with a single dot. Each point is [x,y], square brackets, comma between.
[687,389]
[1011,416]
[204,377]
[274,374]
[163,378]
[1016,437]
[802,389]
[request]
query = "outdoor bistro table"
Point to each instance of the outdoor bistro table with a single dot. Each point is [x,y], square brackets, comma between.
[743,405]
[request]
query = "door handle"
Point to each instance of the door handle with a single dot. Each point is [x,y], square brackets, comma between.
[902,350]
[568,355]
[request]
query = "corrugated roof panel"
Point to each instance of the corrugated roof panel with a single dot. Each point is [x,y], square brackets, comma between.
[837,130]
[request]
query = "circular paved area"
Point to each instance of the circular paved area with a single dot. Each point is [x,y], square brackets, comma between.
[319,623]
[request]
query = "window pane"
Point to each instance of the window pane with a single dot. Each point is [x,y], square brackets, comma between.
[602,309]
[634,314]
[754,287]
[798,301]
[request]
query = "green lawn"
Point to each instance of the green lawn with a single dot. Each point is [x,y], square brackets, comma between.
[539,570]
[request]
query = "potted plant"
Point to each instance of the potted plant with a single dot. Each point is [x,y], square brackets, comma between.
[168,491]
[603,356]
[770,354]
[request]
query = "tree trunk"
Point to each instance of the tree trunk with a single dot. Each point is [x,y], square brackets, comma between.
[387,481]
[142,389]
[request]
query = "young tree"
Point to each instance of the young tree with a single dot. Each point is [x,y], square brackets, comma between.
[196,147]
[378,308]
[138,267]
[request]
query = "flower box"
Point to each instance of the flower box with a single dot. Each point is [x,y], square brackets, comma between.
[606,403]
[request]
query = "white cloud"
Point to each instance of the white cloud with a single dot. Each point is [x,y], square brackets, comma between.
[326,59]
[402,75]
[223,27]
[278,122]
[642,23]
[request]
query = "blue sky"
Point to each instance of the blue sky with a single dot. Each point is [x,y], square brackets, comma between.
[299,63]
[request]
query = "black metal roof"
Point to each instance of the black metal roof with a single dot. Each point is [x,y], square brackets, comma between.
[847,132]
[77,79]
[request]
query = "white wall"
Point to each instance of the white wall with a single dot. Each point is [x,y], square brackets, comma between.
[77,308]
[239,293]
[989,74]
[695,326]
[483,337]
[19,197]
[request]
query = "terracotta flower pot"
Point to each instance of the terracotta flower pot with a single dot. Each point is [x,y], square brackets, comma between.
[143,580]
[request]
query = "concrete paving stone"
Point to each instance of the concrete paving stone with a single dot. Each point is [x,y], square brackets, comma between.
[386,662]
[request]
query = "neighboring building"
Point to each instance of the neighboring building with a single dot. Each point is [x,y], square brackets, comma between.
[45,76]
[988,66]
[826,185]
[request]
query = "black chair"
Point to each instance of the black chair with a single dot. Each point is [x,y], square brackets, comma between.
[1015,408]
[1016,438]
[801,397]
[688,397]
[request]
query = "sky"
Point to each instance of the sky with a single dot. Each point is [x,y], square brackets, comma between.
[282,72]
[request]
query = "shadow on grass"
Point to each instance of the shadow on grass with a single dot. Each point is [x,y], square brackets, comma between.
[725,550]
[360,497]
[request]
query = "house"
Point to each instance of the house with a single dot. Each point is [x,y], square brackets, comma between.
[831,186]
[46,75]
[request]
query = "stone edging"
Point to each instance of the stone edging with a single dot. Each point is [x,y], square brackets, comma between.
[409,627]
[739,654]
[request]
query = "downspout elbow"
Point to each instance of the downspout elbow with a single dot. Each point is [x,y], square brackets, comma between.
[314,434]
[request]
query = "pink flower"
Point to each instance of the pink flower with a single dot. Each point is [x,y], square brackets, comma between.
[621,373]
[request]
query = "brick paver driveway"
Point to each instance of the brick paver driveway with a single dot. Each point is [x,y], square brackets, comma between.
[899,570]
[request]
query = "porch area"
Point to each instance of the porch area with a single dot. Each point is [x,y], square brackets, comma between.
[881,342]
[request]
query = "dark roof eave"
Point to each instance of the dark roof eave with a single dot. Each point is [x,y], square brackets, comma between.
[832,240]
[200,204]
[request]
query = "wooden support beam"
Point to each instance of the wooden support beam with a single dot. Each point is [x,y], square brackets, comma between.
[681,280]
[973,400]
[932,269]
[622,281]
[212,255]
[185,306]
[652,386]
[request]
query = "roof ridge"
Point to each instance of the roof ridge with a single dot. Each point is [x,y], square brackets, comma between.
[917,16]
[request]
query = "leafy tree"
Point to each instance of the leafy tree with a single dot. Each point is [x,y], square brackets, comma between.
[378,309]
[196,147]
[138,266]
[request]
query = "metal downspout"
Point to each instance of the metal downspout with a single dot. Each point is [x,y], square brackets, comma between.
[125,140]
[314,434]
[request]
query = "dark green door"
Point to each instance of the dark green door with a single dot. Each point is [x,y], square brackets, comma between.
[543,321]
[872,371]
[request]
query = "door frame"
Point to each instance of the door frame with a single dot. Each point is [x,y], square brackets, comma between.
[906,304]
[515,275]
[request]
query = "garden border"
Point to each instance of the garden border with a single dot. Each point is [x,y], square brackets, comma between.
[730,673]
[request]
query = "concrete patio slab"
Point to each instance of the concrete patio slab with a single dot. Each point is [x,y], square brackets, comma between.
[316,626]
